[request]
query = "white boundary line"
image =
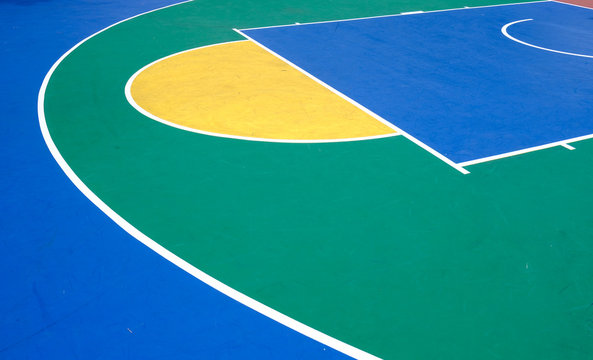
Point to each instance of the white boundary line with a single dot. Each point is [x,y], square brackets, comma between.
[523,151]
[400,14]
[190,269]
[130,98]
[505,33]
[361,107]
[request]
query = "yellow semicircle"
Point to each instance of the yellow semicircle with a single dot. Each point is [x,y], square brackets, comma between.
[240,90]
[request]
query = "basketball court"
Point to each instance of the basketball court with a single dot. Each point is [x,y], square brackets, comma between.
[299,180]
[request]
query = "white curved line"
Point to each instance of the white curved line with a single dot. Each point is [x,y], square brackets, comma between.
[144,112]
[505,33]
[190,269]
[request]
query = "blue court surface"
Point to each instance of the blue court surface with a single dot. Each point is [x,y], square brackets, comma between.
[452,80]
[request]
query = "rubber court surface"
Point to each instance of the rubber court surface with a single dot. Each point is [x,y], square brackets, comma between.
[355,176]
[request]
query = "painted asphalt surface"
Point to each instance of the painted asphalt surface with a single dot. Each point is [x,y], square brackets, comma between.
[75,285]
[451,79]
[398,254]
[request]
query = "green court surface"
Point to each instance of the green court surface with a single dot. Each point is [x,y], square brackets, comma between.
[376,243]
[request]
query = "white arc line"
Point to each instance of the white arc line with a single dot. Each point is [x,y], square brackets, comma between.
[182,264]
[506,33]
[140,109]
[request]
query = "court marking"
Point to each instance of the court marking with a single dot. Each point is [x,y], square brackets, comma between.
[569,147]
[153,245]
[504,31]
[461,165]
[527,150]
[403,14]
[140,109]
[363,108]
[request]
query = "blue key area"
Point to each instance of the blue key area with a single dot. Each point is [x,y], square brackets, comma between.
[451,79]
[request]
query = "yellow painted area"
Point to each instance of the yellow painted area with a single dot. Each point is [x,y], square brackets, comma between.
[240,89]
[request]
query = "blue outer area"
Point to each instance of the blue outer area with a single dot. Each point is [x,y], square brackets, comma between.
[74,285]
[451,79]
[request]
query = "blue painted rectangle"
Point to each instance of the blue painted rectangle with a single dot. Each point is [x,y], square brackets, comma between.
[451,79]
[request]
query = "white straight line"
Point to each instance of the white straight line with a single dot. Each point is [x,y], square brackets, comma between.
[505,33]
[565,145]
[523,151]
[567,3]
[399,14]
[412,12]
[182,264]
[361,107]
[130,98]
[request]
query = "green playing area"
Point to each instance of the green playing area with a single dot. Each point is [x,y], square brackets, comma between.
[376,243]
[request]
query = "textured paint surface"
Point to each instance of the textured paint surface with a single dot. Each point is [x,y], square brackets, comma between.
[242,90]
[376,243]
